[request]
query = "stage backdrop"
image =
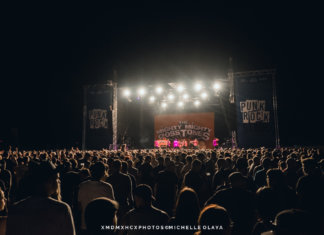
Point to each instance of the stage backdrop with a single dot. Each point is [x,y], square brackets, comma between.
[98,130]
[254,109]
[192,126]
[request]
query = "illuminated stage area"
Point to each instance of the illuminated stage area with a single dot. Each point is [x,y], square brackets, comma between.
[194,113]
[239,111]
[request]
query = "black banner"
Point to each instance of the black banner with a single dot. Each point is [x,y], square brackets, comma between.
[99,132]
[254,107]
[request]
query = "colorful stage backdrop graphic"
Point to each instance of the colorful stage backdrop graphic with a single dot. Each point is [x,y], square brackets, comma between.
[98,117]
[187,126]
[254,109]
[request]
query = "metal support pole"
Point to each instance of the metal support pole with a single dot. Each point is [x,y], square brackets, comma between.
[84,126]
[114,111]
[275,109]
[230,76]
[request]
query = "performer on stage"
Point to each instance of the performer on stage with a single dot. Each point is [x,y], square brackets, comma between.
[156,144]
[183,143]
[175,143]
[215,142]
[194,143]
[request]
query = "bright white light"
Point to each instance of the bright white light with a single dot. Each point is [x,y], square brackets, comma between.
[185,96]
[126,93]
[170,96]
[204,95]
[152,99]
[180,88]
[216,86]
[197,103]
[159,90]
[164,105]
[141,91]
[180,104]
[198,87]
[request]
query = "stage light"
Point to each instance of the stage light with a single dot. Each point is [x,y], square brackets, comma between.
[152,99]
[217,86]
[204,95]
[180,88]
[170,96]
[141,91]
[185,96]
[197,103]
[164,105]
[198,87]
[126,93]
[180,104]
[159,90]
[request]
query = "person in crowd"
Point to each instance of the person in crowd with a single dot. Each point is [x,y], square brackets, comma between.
[255,163]
[122,185]
[69,185]
[193,178]
[100,214]
[21,169]
[216,219]
[145,171]
[187,210]
[166,188]
[267,208]
[261,175]
[6,176]
[186,167]
[290,173]
[295,222]
[40,214]
[286,197]
[178,164]
[220,178]
[239,202]
[159,167]
[210,164]
[124,170]
[242,167]
[3,212]
[144,213]
[139,160]
[131,169]
[94,188]
[310,188]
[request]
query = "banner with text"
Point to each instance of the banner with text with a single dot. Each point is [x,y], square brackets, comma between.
[99,131]
[254,109]
[188,126]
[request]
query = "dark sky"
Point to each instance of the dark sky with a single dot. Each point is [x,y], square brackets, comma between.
[51,51]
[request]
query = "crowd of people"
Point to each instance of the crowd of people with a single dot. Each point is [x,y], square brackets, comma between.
[127,192]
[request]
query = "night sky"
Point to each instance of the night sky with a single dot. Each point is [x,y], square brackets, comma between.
[50,51]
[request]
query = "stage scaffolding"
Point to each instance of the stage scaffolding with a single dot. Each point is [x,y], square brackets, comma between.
[230,80]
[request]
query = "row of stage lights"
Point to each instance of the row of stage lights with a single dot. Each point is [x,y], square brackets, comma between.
[199,95]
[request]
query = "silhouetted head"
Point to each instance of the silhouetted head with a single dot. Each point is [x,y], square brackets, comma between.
[143,196]
[187,206]
[276,179]
[100,211]
[196,165]
[294,222]
[97,170]
[214,215]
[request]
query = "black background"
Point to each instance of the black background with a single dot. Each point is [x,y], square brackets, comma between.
[51,50]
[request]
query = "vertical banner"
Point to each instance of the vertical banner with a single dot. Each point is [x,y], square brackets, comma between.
[98,130]
[188,126]
[254,97]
